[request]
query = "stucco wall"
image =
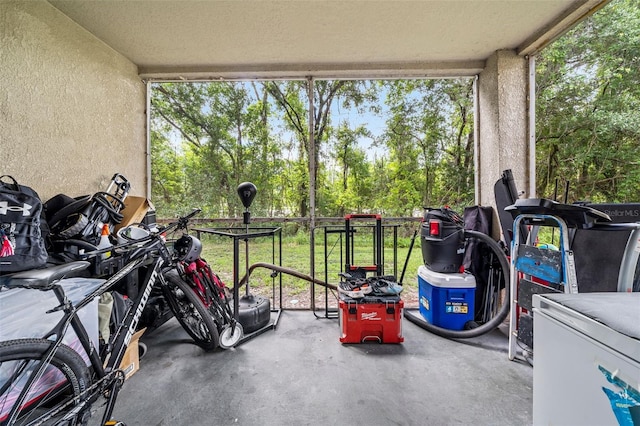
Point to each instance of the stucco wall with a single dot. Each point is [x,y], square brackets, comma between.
[72,110]
[502,107]
[502,89]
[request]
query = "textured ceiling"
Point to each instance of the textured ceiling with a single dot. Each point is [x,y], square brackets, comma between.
[349,38]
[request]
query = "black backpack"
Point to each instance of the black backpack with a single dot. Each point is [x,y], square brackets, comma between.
[79,220]
[22,228]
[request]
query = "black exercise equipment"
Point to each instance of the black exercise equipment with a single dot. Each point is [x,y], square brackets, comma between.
[599,251]
[506,194]
[254,312]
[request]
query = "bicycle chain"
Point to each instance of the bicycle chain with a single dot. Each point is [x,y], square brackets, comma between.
[115,377]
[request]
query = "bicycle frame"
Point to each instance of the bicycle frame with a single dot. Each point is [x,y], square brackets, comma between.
[104,371]
[124,333]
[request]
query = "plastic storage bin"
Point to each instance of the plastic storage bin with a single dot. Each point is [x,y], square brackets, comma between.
[446,300]
[371,319]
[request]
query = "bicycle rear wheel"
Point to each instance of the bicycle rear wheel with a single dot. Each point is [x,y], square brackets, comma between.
[54,395]
[190,312]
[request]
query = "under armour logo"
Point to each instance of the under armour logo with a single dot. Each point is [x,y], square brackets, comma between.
[25,209]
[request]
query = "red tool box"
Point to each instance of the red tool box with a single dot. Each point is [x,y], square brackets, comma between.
[370,308]
[371,318]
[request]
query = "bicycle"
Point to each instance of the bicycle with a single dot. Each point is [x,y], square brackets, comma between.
[27,365]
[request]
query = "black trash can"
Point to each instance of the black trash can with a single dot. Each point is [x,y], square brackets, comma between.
[442,240]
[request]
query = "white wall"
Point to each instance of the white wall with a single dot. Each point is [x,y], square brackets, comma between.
[72,110]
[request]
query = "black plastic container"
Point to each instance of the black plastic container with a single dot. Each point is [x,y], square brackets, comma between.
[254,312]
[442,242]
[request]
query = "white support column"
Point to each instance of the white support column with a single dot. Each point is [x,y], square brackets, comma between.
[503,125]
[147,173]
[532,126]
[312,189]
[476,142]
[312,156]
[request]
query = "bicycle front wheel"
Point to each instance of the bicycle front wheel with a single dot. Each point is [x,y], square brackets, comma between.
[191,313]
[55,396]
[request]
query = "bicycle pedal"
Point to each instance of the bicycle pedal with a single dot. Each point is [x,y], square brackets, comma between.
[114,423]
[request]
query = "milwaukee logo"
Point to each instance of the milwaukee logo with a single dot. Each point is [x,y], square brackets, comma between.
[370,316]
[5,207]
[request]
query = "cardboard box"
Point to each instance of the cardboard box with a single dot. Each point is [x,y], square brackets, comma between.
[131,361]
[135,209]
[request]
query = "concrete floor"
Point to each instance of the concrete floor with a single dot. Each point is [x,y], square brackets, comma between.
[300,374]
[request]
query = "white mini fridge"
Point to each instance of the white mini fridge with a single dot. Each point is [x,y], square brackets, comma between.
[586,357]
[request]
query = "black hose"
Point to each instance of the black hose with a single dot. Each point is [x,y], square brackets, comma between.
[493,322]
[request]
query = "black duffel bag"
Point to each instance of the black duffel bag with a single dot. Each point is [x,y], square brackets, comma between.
[22,228]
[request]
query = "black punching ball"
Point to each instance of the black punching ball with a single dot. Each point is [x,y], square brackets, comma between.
[247,192]
[254,312]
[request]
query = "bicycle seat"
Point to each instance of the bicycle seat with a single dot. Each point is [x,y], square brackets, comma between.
[42,279]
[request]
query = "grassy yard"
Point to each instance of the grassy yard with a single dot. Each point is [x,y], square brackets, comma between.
[296,254]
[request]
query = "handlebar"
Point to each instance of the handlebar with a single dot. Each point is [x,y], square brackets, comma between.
[182,222]
[155,239]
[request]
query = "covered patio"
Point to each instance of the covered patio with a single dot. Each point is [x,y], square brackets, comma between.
[75,99]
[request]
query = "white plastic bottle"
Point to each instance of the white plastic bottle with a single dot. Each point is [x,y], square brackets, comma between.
[105,242]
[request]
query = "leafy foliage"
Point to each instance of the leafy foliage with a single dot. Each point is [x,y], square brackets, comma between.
[395,146]
[209,137]
[588,108]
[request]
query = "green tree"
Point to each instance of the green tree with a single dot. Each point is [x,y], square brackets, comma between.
[429,138]
[224,133]
[588,119]
[351,190]
[224,128]
[292,99]
[168,176]
[457,165]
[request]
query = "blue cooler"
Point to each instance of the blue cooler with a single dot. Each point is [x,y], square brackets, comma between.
[446,300]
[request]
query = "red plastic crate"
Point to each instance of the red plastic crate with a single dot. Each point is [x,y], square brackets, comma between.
[375,322]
